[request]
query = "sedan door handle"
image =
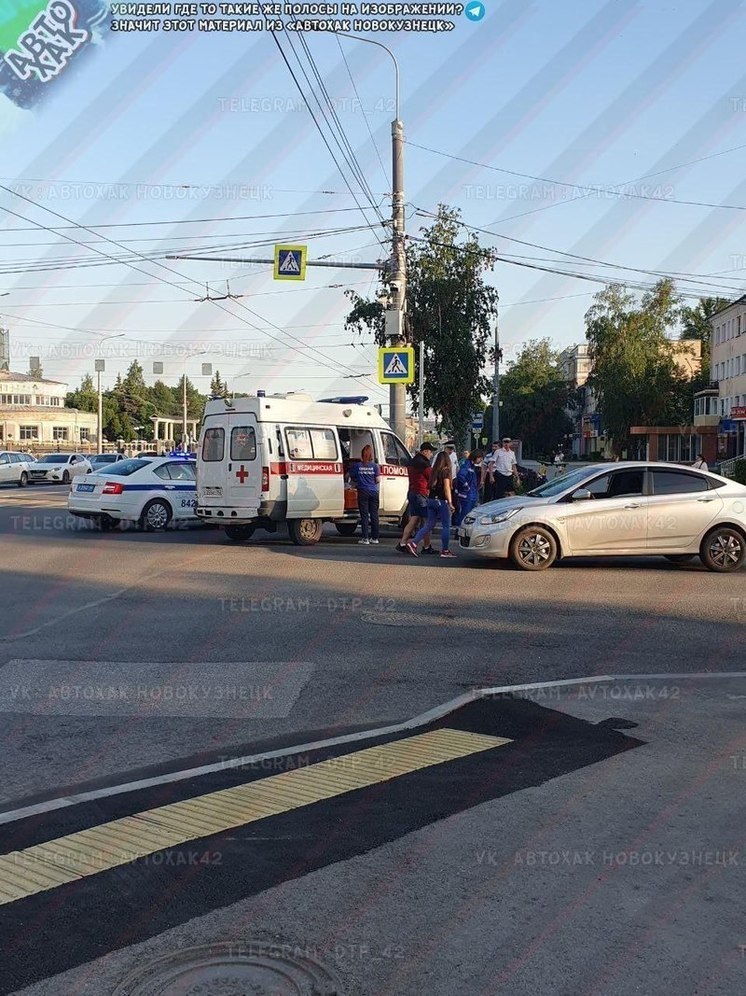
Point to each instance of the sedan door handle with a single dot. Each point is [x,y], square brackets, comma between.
[632,506]
[705,499]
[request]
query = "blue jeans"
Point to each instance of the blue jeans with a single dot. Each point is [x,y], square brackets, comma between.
[367,504]
[437,511]
[465,506]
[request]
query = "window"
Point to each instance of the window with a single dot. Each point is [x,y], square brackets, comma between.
[126,467]
[28,432]
[675,482]
[85,435]
[243,443]
[738,325]
[299,444]
[59,433]
[324,444]
[393,451]
[181,471]
[213,446]
[4,459]
[676,448]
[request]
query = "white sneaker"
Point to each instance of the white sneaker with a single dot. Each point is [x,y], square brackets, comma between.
[375,542]
[363,542]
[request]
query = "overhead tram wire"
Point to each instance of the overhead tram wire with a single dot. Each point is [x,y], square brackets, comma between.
[318,126]
[587,188]
[365,116]
[357,168]
[216,304]
[690,277]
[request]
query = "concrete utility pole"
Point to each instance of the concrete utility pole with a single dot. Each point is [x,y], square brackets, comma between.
[395,315]
[421,404]
[496,390]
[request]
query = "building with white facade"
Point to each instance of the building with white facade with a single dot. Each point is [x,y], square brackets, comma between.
[728,371]
[33,415]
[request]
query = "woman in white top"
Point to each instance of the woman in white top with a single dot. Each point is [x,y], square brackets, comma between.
[699,463]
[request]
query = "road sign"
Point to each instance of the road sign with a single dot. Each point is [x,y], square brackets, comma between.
[477,421]
[396,365]
[290,262]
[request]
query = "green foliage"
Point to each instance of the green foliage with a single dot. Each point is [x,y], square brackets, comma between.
[85,399]
[536,399]
[218,387]
[696,324]
[634,374]
[739,471]
[451,310]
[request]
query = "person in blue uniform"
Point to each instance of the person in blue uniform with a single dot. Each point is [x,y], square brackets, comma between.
[467,485]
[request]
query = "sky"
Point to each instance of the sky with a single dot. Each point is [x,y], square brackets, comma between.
[197,141]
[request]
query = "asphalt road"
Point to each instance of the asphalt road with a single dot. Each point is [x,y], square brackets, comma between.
[129,655]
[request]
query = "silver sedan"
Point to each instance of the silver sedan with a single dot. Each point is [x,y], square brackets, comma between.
[616,509]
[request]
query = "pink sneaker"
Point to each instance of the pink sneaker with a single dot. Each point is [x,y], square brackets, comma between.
[412,549]
[447,555]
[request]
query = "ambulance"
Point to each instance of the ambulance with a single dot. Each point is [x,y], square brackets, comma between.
[279,459]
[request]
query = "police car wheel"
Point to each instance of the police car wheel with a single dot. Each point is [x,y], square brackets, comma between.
[156,515]
[239,533]
[305,532]
[345,528]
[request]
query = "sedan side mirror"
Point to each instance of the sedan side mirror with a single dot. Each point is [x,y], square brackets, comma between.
[582,494]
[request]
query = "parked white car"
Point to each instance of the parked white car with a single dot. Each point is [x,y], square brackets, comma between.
[14,468]
[58,468]
[150,491]
[617,509]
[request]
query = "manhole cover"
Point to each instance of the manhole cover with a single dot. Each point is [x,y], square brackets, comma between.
[252,969]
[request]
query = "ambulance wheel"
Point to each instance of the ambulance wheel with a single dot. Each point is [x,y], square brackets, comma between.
[156,515]
[305,532]
[239,533]
[346,528]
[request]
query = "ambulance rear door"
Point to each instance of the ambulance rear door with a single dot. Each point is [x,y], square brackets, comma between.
[315,473]
[211,464]
[243,461]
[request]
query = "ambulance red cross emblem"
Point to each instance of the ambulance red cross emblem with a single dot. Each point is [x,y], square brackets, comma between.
[242,474]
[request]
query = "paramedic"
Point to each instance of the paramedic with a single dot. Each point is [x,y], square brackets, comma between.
[467,485]
[366,476]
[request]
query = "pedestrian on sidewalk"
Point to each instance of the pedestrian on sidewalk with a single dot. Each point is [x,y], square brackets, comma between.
[506,471]
[487,482]
[467,485]
[366,476]
[439,507]
[419,471]
[700,463]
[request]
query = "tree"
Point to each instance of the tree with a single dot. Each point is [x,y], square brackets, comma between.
[634,374]
[451,310]
[696,323]
[218,387]
[85,398]
[536,399]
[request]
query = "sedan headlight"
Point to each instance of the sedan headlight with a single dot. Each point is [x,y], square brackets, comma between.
[496,517]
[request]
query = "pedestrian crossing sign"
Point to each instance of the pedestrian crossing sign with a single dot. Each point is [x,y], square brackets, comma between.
[396,365]
[290,262]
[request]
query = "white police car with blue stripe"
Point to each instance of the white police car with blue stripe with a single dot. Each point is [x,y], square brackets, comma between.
[152,491]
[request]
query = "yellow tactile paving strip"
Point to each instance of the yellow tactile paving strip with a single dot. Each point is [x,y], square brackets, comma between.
[57,862]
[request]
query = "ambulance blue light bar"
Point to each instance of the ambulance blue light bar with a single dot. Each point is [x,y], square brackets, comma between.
[357,399]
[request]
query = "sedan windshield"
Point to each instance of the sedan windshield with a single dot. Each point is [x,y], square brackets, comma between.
[54,458]
[561,483]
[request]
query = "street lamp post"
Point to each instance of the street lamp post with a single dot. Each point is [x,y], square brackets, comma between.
[100,366]
[395,314]
[188,357]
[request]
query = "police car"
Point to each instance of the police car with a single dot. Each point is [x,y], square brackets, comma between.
[150,491]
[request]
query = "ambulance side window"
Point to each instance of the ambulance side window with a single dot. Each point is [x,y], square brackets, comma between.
[393,451]
[243,443]
[299,444]
[213,446]
[324,444]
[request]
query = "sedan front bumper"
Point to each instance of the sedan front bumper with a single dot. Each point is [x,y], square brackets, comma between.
[485,542]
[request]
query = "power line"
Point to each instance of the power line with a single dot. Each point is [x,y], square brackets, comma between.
[577,186]
[95,249]
[360,104]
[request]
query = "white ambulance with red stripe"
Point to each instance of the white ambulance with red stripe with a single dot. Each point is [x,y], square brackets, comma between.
[284,458]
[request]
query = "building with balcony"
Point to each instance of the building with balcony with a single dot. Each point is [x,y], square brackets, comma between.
[33,415]
[728,371]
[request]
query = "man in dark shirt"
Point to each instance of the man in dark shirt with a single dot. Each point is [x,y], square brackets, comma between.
[419,488]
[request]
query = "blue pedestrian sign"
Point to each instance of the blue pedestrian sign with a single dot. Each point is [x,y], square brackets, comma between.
[475,11]
[477,421]
[396,365]
[290,262]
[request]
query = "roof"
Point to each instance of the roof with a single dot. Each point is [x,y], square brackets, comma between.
[19,378]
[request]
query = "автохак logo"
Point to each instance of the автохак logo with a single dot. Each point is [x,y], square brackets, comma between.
[38,41]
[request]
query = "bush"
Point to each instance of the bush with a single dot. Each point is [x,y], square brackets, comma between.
[739,471]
